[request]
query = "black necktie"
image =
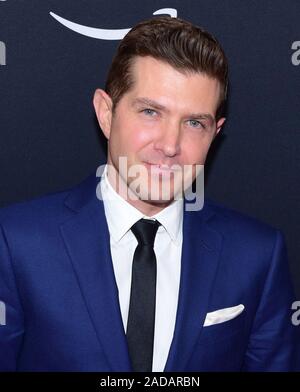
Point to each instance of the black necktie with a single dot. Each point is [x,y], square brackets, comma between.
[141,316]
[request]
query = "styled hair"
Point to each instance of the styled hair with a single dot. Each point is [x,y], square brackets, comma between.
[184,46]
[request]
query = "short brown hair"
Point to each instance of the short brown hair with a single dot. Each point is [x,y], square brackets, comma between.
[177,42]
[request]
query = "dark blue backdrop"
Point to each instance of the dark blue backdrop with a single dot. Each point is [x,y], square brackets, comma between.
[48,73]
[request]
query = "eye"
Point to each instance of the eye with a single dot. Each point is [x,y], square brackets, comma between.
[149,112]
[195,124]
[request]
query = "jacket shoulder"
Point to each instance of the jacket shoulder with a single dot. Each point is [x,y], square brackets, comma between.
[45,208]
[240,224]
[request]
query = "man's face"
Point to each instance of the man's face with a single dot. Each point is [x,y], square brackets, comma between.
[167,118]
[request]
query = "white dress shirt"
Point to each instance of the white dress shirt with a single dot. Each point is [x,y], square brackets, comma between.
[120,216]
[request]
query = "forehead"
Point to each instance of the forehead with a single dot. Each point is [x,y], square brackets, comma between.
[157,80]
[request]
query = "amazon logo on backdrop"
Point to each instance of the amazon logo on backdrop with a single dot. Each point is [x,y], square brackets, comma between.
[118,34]
[98,33]
[105,34]
[296,54]
[2,51]
[2,313]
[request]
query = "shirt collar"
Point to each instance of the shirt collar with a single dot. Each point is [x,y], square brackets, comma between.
[121,215]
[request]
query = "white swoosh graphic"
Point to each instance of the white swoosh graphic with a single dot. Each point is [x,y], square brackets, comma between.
[107,34]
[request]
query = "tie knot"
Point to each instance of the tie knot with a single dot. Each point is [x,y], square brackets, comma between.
[145,231]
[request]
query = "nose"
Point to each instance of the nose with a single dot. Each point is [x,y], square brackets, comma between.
[168,140]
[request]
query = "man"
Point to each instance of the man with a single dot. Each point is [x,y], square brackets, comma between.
[106,277]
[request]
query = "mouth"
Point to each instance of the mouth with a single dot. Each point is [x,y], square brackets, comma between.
[160,167]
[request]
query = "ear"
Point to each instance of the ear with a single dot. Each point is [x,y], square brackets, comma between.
[103,109]
[220,124]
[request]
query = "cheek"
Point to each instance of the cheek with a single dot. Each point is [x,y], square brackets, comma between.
[138,135]
[195,147]
[139,138]
[129,134]
[145,129]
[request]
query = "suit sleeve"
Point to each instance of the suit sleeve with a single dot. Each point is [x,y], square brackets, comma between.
[11,313]
[274,343]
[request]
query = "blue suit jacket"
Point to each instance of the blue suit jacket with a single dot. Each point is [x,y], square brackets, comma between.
[61,298]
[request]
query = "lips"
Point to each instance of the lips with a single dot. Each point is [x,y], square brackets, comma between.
[159,166]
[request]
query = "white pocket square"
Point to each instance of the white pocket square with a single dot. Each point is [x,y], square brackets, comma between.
[222,315]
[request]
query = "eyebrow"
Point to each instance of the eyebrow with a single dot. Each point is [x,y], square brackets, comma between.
[149,102]
[158,106]
[203,116]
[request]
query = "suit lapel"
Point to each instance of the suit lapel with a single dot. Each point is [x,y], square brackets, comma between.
[86,238]
[200,256]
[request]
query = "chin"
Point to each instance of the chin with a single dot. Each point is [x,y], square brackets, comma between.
[158,203]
